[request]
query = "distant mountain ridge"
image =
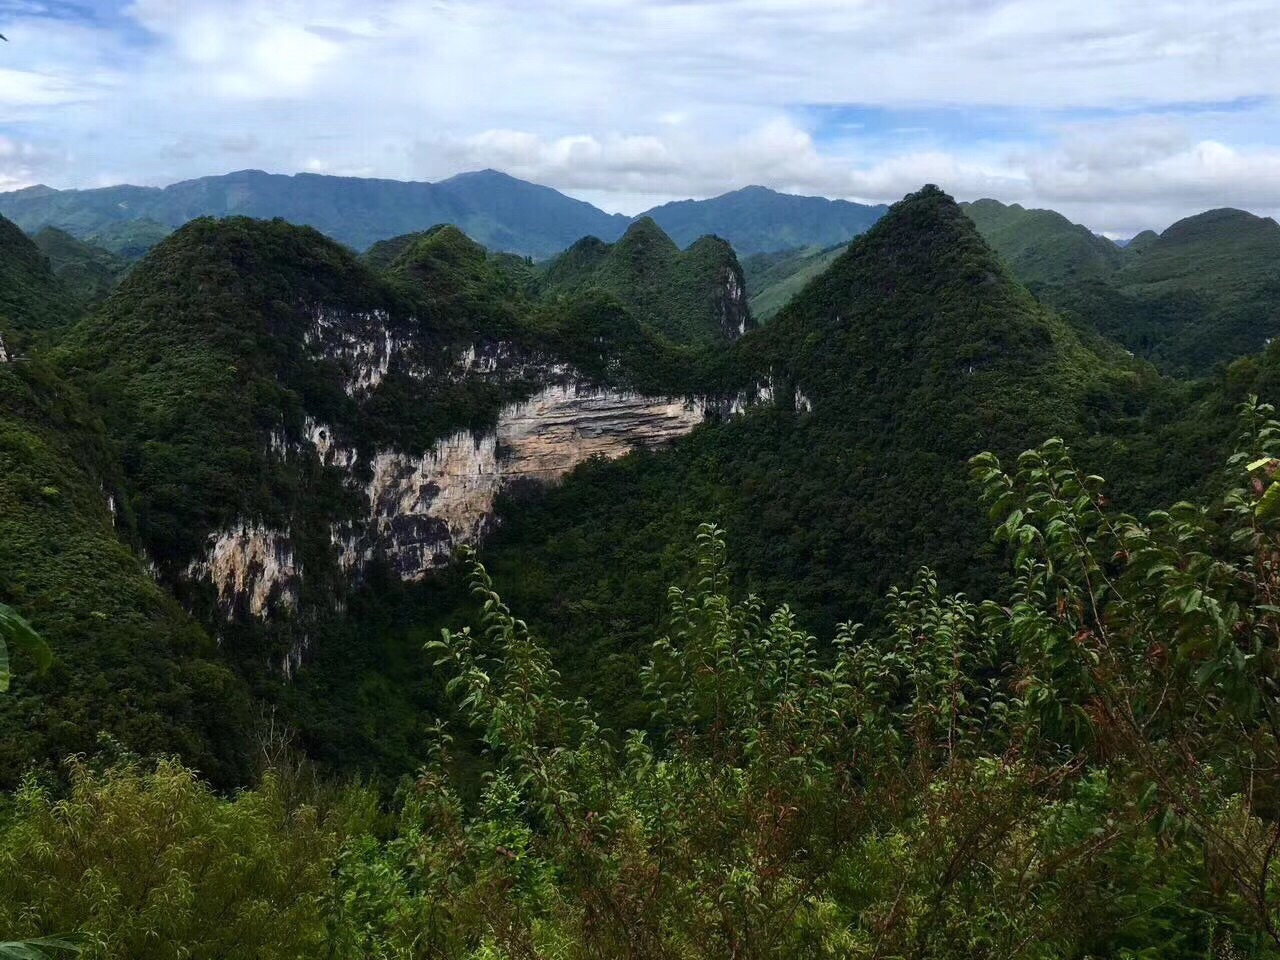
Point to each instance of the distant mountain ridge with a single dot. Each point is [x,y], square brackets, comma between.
[497,210]
[759,220]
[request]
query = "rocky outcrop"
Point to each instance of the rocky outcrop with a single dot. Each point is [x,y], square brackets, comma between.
[730,304]
[421,508]
[252,569]
[361,344]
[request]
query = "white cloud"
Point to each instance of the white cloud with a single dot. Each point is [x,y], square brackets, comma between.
[628,102]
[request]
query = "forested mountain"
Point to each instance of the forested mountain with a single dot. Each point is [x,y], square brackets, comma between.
[238,496]
[1205,291]
[497,210]
[760,220]
[913,351]
[130,662]
[1042,246]
[694,295]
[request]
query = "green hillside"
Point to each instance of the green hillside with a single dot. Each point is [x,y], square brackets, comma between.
[87,272]
[128,239]
[32,300]
[1204,292]
[1042,246]
[129,662]
[774,278]
[696,295]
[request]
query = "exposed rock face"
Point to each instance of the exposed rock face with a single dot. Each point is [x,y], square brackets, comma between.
[4,357]
[422,507]
[731,305]
[419,506]
[362,344]
[253,569]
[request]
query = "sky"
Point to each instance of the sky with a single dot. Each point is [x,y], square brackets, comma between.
[1121,115]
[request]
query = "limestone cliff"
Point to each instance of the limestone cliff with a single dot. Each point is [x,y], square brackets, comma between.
[253,569]
[419,505]
[730,303]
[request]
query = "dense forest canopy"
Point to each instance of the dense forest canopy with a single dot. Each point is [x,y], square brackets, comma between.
[436,602]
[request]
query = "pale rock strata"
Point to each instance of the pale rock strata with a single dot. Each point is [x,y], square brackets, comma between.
[360,343]
[731,306]
[252,568]
[423,507]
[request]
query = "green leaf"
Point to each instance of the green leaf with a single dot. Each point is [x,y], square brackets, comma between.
[1269,505]
[42,948]
[16,632]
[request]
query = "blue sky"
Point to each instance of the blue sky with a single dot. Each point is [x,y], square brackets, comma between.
[1122,116]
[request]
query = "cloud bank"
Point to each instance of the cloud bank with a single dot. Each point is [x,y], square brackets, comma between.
[1122,116]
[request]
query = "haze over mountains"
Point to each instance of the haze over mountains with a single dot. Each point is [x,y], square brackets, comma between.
[499,211]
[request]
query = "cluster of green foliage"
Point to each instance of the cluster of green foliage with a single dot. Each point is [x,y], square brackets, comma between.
[1077,769]
[691,296]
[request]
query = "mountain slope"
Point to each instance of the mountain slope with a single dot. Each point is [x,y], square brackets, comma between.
[1205,291]
[912,352]
[774,278]
[130,664]
[87,272]
[696,295]
[32,300]
[1042,246]
[760,220]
